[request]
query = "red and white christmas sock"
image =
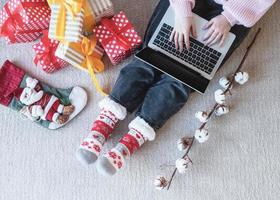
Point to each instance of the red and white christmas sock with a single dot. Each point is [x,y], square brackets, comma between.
[45,105]
[101,130]
[103,126]
[139,132]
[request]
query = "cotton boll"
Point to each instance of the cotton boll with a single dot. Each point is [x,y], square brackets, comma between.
[182,165]
[220,97]
[241,77]
[184,143]
[201,116]
[160,182]
[201,135]
[224,82]
[222,110]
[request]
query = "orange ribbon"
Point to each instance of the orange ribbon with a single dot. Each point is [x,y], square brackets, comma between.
[93,64]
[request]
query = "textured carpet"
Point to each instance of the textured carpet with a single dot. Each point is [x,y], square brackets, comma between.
[240,161]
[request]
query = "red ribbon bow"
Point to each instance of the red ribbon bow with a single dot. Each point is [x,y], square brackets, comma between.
[47,54]
[117,33]
[14,23]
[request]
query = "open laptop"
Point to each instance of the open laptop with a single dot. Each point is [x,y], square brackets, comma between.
[194,67]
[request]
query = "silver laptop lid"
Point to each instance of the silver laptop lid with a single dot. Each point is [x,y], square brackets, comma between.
[199,23]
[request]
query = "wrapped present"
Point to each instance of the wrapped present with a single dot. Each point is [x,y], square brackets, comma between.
[95,10]
[23,20]
[67,18]
[118,37]
[85,55]
[45,55]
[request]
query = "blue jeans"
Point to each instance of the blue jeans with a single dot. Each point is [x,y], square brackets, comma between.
[155,95]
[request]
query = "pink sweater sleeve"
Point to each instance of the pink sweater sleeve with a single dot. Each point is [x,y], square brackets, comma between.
[245,12]
[182,8]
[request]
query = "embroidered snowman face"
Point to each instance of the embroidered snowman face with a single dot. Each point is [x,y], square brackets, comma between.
[30,96]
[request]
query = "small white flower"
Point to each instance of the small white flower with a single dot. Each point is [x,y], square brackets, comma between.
[201,135]
[160,183]
[182,164]
[201,116]
[222,110]
[184,143]
[220,97]
[241,77]
[224,82]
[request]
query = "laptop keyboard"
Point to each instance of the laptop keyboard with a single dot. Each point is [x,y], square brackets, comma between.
[199,55]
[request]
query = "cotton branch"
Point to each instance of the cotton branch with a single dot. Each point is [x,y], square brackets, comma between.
[215,106]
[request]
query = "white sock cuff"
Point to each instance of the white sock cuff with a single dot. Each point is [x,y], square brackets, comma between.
[117,109]
[143,127]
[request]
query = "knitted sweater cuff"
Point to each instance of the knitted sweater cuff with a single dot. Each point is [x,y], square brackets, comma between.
[231,19]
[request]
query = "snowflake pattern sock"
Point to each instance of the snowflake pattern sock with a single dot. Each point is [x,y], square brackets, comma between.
[47,106]
[103,126]
[139,132]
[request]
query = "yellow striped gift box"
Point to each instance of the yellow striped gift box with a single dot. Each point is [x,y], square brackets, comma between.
[72,53]
[85,55]
[95,10]
[72,25]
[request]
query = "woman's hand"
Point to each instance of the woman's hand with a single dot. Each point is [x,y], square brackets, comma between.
[181,32]
[218,29]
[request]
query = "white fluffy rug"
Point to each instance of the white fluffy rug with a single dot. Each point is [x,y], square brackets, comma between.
[240,161]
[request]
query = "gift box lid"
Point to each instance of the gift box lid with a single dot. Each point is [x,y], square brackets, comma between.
[10,79]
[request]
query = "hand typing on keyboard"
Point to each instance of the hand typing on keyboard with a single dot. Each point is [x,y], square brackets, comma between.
[181,32]
[198,55]
[218,28]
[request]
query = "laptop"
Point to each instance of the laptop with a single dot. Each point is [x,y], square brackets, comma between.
[194,67]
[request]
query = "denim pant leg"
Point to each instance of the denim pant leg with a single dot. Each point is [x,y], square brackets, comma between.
[163,99]
[135,78]
[168,95]
[132,84]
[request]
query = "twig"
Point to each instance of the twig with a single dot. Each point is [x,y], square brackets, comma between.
[216,105]
[175,170]
[243,60]
[209,115]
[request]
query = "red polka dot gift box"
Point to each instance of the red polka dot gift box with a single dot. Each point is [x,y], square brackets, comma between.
[95,10]
[24,20]
[45,55]
[118,37]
